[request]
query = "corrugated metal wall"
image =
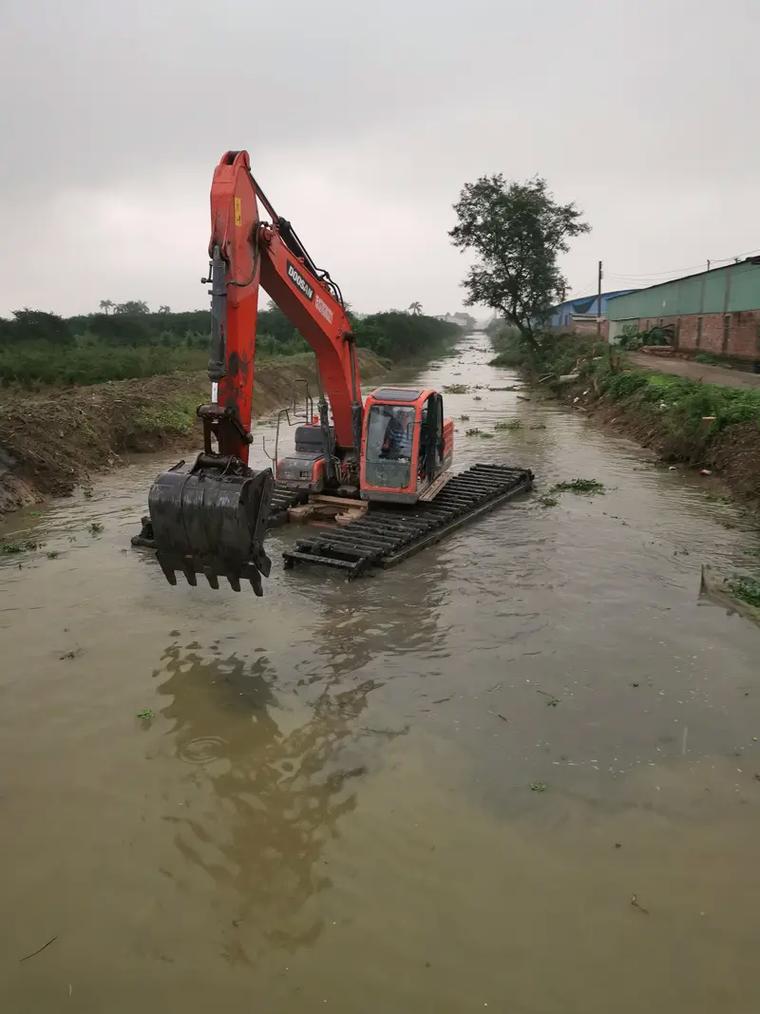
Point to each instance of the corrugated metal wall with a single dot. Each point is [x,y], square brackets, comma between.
[725,290]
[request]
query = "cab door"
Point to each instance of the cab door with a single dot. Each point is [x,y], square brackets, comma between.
[431,437]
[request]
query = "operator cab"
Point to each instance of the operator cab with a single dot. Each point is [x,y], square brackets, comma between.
[406,444]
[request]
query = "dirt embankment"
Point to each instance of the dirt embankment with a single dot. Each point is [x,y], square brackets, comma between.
[733,453]
[52,441]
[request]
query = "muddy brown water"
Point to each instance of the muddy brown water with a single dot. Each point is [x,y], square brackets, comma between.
[518,772]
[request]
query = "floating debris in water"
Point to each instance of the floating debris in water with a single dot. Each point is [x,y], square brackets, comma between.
[635,904]
[589,486]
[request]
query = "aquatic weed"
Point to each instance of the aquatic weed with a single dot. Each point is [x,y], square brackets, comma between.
[746,588]
[25,546]
[589,486]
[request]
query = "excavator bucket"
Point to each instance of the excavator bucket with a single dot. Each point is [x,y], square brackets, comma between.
[208,522]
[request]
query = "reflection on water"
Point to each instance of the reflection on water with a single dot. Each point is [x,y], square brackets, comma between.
[277,772]
[434,790]
[276,795]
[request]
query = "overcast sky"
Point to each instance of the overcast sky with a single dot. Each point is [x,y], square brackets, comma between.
[363,121]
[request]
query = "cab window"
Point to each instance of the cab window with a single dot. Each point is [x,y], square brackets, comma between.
[390,436]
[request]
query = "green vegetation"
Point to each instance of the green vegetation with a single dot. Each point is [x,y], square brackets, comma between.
[95,528]
[11,548]
[146,714]
[403,336]
[38,363]
[455,389]
[685,420]
[508,345]
[38,348]
[691,407]
[508,424]
[546,354]
[464,418]
[633,339]
[475,432]
[538,786]
[588,486]
[548,501]
[173,417]
[747,589]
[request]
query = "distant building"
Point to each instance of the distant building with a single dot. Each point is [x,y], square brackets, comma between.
[714,311]
[580,314]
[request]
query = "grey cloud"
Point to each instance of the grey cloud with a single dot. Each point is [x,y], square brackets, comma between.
[363,121]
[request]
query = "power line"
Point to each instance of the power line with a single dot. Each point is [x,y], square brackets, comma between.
[656,274]
[747,253]
[677,271]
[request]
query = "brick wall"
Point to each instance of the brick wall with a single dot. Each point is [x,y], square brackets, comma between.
[589,327]
[732,334]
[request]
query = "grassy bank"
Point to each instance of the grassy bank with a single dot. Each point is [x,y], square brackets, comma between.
[50,441]
[706,426]
[702,425]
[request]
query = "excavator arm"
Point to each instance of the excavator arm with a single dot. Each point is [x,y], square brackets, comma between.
[212,518]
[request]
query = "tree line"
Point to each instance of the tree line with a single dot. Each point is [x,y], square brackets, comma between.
[128,340]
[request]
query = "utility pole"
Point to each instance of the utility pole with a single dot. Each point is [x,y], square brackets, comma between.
[599,301]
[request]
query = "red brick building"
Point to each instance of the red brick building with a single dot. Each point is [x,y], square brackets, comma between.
[714,311]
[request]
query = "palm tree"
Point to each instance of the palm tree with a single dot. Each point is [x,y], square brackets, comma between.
[106,305]
[164,309]
[415,308]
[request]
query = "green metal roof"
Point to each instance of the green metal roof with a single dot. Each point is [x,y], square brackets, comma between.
[729,289]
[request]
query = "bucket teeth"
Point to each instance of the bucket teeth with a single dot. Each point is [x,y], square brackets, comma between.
[189,573]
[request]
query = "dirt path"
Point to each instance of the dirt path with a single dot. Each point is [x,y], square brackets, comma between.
[696,371]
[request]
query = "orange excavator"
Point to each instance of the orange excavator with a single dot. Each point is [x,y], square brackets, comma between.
[394,449]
